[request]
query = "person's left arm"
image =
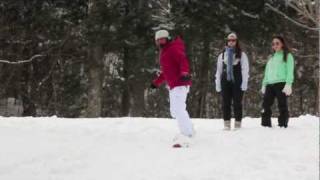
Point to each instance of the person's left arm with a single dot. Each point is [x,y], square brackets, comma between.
[183,61]
[244,71]
[290,69]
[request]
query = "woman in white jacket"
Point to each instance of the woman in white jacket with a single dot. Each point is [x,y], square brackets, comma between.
[232,80]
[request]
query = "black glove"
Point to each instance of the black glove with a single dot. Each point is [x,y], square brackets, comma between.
[152,86]
[185,78]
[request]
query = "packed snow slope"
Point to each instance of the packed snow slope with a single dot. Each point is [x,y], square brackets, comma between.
[140,149]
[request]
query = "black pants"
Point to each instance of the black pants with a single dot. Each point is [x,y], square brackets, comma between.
[231,95]
[275,91]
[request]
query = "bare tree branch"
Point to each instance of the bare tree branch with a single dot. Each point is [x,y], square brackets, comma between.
[22,61]
[290,19]
[302,8]
[307,56]
[163,15]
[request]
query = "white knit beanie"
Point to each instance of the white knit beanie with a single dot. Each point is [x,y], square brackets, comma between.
[161,34]
[233,36]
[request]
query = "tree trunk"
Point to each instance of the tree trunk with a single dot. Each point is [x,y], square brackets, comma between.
[125,100]
[301,102]
[95,82]
[95,56]
[29,108]
[203,79]
[318,83]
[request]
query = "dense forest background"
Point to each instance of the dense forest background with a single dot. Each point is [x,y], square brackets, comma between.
[92,58]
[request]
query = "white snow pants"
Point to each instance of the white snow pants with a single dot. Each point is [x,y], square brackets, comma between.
[178,97]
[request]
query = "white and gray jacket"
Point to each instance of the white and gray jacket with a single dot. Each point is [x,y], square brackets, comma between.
[244,69]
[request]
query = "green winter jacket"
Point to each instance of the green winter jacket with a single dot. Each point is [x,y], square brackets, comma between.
[278,70]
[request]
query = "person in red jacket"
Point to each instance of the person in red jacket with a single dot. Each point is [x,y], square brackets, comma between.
[175,72]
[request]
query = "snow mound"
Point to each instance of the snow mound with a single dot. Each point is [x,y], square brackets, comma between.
[140,149]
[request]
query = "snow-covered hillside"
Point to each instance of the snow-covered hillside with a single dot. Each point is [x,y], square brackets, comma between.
[140,149]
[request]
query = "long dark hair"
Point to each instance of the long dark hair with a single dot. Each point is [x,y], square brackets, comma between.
[285,47]
[238,50]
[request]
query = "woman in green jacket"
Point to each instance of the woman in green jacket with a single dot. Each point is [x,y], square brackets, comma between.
[277,82]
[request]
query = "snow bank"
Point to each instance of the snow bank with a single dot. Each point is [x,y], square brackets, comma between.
[140,149]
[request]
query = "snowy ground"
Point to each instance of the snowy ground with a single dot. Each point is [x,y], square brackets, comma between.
[140,149]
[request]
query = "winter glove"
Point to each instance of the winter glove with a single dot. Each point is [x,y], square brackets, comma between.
[263,89]
[287,90]
[185,78]
[152,86]
[218,85]
[218,88]
[244,86]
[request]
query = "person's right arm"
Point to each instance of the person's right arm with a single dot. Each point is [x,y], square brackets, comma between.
[218,73]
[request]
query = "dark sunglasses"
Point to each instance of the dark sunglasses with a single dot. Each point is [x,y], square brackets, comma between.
[276,44]
[231,40]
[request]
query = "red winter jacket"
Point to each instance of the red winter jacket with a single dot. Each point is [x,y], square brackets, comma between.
[174,64]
